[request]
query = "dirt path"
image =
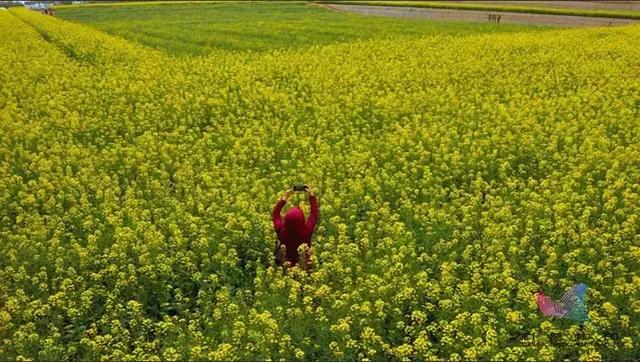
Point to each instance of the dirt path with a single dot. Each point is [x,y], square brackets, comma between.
[480,15]
[583,5]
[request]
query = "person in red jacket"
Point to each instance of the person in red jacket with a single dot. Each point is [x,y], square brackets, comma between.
[294,231]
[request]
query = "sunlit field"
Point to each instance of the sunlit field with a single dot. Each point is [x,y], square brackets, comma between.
[192,29]
[459,168]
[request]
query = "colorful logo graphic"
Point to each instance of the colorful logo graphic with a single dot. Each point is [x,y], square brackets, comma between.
[572,305]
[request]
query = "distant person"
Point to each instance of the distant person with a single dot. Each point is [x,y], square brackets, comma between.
[294,231]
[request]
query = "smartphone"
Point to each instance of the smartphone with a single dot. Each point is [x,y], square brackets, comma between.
[299,187]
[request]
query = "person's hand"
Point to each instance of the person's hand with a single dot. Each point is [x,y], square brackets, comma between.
[309,191]
[287,195]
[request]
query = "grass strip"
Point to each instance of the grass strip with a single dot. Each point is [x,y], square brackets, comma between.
[168,2]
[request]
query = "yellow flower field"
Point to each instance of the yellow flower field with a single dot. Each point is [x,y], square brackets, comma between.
[455,175]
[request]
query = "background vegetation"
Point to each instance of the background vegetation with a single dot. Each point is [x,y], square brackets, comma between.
[254,27]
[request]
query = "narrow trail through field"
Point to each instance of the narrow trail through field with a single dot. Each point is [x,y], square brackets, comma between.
[587,5]
[480,15]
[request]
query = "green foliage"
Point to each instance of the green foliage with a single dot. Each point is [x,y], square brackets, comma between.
[254,27]
[455,175]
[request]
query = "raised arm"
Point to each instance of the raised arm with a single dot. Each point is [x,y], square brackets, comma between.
[313,217]
[275,214]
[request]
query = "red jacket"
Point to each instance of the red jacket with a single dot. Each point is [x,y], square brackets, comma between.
[294,231]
